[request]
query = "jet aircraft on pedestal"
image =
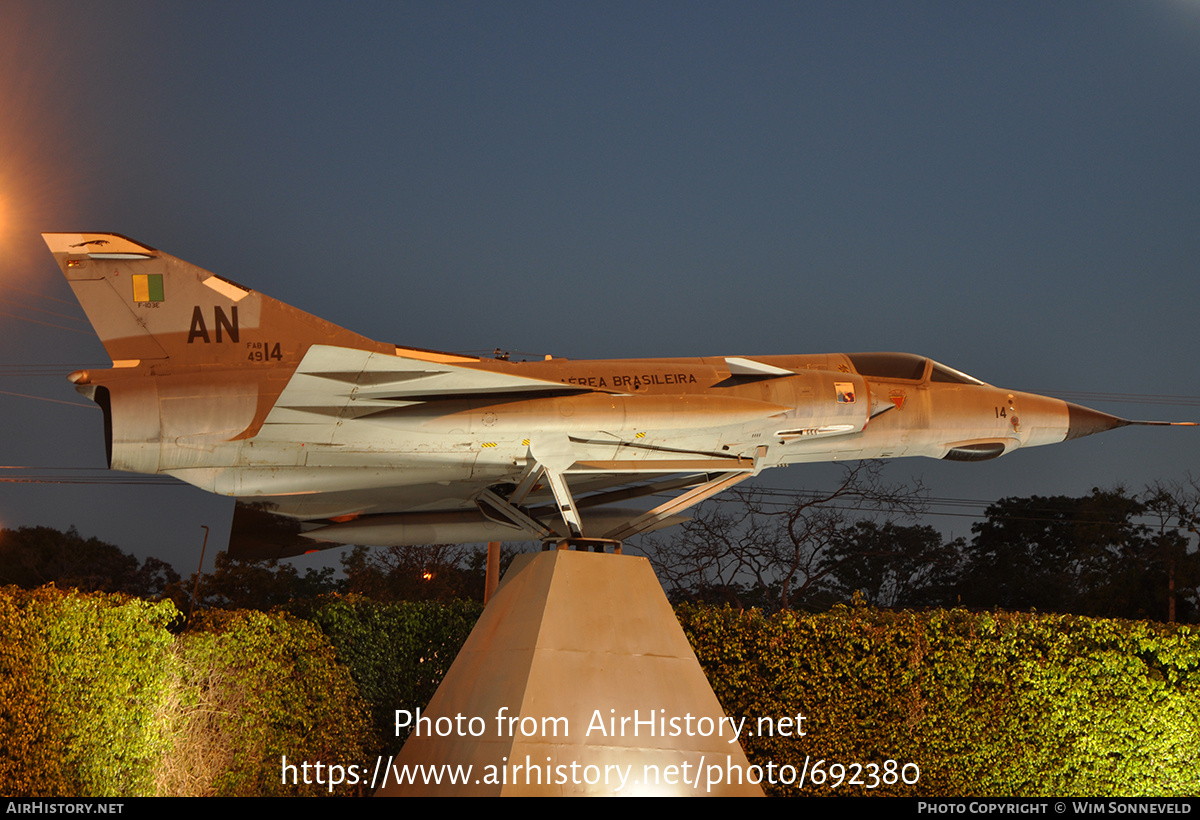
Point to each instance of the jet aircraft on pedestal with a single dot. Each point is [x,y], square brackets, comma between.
[328,438]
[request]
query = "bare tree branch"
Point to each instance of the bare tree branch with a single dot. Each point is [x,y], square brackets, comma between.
[775,550]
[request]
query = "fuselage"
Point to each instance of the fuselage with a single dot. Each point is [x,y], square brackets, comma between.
[237,393]
[652,415]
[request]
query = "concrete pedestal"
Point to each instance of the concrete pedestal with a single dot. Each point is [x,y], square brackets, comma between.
[577,680]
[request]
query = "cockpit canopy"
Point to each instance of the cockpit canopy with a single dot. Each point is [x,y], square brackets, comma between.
[907,367]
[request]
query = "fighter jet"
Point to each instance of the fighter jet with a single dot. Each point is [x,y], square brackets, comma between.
[329,438]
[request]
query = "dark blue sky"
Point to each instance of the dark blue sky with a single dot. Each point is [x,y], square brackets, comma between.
[1013,189]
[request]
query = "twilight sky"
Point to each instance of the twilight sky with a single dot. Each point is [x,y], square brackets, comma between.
[1012,189]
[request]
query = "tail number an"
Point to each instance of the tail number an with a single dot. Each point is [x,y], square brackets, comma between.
[222,324]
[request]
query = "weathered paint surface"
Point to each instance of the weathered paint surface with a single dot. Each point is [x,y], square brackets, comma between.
[318,427]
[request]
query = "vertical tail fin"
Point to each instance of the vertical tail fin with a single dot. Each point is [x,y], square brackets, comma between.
[146,305]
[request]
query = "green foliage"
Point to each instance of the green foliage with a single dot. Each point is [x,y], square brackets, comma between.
[441,572]
[263,686]
[398,652]
[239,584]
[96,698]
[986,704]
[893,565]
[751,548]
[1092,555]
[1104,555]
[83,682]
[33,556]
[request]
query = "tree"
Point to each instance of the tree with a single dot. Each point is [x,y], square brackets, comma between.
[895,566]
[772,548]
[1093,555]
[1173,509]
[441,572]
[238,584]
[33,556]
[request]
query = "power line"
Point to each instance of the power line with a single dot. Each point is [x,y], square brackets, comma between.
[43,310]
[48,324]
[80,475]
[62,370]
[73,304]
[45,398]
[1129,398]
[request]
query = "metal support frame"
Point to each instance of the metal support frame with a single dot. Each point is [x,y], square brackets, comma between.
[688,499]
[492,504]
[675,505]
[564,502]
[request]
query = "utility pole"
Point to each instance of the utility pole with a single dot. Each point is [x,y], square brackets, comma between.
[199,570]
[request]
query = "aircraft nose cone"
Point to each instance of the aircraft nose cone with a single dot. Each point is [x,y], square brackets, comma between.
[1083,421]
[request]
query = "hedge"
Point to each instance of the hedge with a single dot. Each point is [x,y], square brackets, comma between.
[984,704]
[84,680]
[97,698]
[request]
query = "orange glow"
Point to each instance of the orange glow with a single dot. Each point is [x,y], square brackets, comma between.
[41,178]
